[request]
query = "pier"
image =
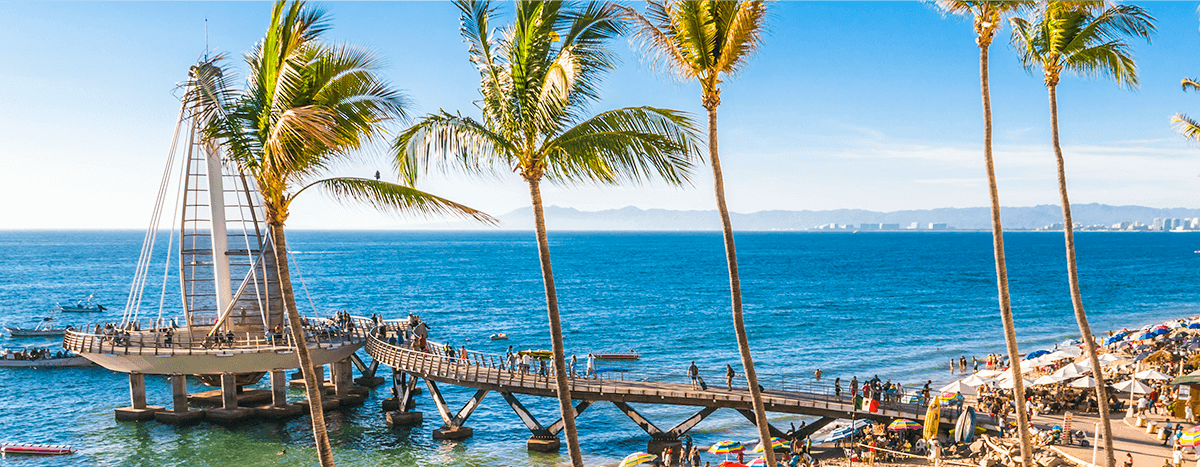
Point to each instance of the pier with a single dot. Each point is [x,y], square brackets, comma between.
[487,373]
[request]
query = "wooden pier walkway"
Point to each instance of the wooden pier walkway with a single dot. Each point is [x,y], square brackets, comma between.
[489,373]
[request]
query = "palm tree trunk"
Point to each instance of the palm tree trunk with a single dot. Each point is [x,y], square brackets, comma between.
[1010,331]
[313,387]
[556,340]
[735,290]
[1085,330]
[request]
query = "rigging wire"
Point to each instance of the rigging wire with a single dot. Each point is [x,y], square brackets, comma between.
[302,283]
[162,297]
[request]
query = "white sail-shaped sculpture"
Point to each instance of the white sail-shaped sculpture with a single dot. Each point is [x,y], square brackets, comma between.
[233,315]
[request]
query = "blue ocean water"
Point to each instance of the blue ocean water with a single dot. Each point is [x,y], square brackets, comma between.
[899,305]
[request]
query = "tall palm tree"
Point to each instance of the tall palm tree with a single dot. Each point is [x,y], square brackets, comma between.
[1085,38]
[706,40]
[537,78]
[988,17]
[306,105]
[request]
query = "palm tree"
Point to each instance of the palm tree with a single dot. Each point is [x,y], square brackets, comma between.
[705,40]
[1185,125]
[988,17]
[537,78]
[1085,38]
[306,105]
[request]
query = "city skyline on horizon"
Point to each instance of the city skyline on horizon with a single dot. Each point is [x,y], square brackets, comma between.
[845,107]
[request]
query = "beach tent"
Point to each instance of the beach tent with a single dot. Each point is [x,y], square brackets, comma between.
[1132,386]
[1151,374]
[959,387]
[1049,379]
[1085,382]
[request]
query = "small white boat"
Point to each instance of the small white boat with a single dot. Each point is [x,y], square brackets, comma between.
[40,358]
[499,337]
[38,449]
[43,329]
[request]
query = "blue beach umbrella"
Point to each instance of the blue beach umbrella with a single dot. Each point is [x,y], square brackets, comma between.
[1036,354]
[1195,325]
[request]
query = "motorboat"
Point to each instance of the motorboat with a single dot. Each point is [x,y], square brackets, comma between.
[83,306]
[499,337]
[619,356]
[40,358]
[36,449]
[43,329]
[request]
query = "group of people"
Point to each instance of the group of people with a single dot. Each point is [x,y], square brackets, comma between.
[872,389]
[30,354]
[991,362]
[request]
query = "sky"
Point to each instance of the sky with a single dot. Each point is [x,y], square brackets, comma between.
[867,105]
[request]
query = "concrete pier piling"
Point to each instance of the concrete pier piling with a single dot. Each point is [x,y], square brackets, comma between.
[543,443]
[279,408]
[138,410]
[179,413]
[229,413]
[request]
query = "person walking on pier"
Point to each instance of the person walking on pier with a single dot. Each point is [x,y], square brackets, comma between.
[854,387]
[837,387]
[694,374]
[591,366]
[729,374]
[574,360]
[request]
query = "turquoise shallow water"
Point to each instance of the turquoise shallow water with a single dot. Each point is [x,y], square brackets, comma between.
[895,304]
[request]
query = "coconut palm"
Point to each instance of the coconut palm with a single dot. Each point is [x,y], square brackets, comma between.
[306,105]
[1185,125]
[537,78]
[1085,38]
[988,17]
[705,41]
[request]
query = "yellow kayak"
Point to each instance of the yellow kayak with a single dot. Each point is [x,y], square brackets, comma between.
[932,418]
[537,353]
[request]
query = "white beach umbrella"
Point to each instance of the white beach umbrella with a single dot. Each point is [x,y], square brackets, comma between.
[1070,371]
[1072,351]
[960,387]
[988,373]
[975,380]
[1047,379]
[1008,383]
[1133,386]
[1108,358]
[1151,374]
[1085,382]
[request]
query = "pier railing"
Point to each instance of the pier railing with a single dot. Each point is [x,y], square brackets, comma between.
[131,339]
[490,368]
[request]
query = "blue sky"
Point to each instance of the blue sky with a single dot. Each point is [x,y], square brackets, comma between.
[871,105]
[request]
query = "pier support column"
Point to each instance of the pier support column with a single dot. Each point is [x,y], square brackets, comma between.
[179,413]
[454,429]
[229,413]
[278,388]
[404,386]
[342,373]
[368,378]
[543,439]
[138,410]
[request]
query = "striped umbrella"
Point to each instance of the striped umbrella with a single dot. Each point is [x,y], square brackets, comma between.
[760,462]
[776,443]
[1190,437]
[637,458]
[726,447]
[902,424]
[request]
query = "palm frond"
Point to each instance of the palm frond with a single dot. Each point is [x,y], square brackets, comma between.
[446,140]
[656,42]
[1189,83]
[625,145]
[394,198]
[1187,127]
[743,35]
[1111,59]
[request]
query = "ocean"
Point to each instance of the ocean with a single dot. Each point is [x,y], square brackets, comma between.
[899,305]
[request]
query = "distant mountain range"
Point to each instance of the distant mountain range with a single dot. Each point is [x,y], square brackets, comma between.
[1014,218]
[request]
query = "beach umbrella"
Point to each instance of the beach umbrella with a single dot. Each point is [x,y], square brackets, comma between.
[1048,379]
[1008,383]
[988,373]
[903,424]
[1145,335]
[1036,354]
[1151,374]
[1132,386]
[1059,355]
[731,464]
[1194,325]
[776,443]
[761,461]
[1085,382]
[637,458]
[1108,358]
[1070,371]
[958,386]
[1190,437]
[726,447]
[975,380]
